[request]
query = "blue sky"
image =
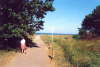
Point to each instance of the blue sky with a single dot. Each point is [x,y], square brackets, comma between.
[68,16]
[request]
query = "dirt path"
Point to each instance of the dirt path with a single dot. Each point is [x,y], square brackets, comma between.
[35,57]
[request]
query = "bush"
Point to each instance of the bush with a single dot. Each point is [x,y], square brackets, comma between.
[76,36]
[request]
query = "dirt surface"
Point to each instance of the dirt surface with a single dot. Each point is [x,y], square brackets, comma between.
[35,57]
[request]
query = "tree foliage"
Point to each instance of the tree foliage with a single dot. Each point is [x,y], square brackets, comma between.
[91,24]
[21,17]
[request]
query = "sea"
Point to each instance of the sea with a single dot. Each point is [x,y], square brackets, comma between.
[53,34]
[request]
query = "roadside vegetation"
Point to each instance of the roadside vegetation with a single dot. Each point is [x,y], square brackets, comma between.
[72,52]
[20,19]
[6,56]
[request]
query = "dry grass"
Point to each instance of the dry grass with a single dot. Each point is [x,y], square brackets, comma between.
[57,50]
[5,57]
[73,52]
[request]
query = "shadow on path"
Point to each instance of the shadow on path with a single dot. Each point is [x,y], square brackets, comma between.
[34,45]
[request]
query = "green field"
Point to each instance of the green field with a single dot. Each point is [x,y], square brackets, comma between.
[69,52]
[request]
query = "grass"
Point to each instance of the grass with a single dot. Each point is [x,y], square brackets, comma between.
[5,57]
[69,52]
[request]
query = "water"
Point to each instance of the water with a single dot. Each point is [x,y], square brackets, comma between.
[53,34]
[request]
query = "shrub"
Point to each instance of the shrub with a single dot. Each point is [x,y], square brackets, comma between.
[76,36]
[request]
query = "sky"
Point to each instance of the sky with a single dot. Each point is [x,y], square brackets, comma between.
[68,16]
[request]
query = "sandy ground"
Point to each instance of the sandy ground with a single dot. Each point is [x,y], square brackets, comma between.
[35,57]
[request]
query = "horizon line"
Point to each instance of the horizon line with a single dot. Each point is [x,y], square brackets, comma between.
[53,33]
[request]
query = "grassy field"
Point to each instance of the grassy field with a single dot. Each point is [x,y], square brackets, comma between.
[5,57]
[69,52]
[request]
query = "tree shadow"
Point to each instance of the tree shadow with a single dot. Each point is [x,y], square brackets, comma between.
[14,43]
[33,44]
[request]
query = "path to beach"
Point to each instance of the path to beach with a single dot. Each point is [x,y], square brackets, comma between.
[35,57]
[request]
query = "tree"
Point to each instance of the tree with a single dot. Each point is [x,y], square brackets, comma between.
[91,24]
[21,17]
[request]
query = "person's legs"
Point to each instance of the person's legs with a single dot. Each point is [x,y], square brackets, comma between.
[22,50]
[25,48]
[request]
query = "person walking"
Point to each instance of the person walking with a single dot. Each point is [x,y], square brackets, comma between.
[23,45]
